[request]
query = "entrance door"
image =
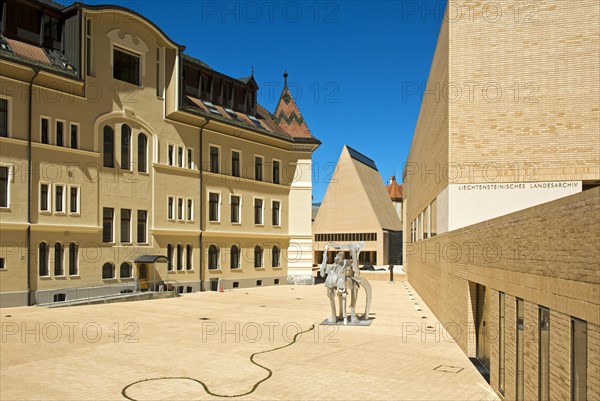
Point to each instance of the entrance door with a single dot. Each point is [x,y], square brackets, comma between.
[143,277]
[482,310]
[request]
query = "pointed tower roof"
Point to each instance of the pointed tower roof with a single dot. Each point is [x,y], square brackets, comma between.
[288,116]
[395,190]
[356,192]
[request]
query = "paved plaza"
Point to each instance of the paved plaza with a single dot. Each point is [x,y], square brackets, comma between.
[205,341]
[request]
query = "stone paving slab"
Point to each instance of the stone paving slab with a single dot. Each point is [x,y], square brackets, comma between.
[93,352]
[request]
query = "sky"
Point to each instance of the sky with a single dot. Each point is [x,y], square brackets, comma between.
[357,69]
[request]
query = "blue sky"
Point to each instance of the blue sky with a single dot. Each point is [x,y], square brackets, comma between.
[352,65]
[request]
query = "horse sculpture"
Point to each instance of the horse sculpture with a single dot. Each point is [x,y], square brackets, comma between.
[342,276]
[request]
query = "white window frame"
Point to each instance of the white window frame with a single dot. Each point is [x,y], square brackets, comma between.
[47,259]
[48,198]
[65,128]
[88,35]
[121,227]
[220,158]
[172,152]
[64,203]
[136,53]
[43,117]
[182,218]
[75,124]
[9,117]
[220,200]
[262,211]
[240,257]
[239,152]
[188,218]
[173,208]
[278,217]
[146,236]
[262,167]
[78,212]
[186,258]
[239,209]
[182,148]
[10,179]
[62,259]
[280,168]
[189,161]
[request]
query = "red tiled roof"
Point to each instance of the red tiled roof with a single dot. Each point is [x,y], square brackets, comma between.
[28,51]
[288,116]
[395,190]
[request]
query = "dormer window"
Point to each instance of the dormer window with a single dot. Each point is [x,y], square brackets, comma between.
[126,66]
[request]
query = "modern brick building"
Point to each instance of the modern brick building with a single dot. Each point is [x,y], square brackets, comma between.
[501,194]
[125,162]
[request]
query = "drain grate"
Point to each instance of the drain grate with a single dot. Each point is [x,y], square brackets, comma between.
[448,369]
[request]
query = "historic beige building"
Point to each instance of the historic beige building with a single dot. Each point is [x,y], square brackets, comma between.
[125,163]
[357,207]
[501,195]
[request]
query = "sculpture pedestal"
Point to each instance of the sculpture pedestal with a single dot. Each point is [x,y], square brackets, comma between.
[340,322]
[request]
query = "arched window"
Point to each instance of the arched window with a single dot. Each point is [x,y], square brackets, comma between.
[275,256]
[179,257]
[73,259]
[169,257]
[59,267]
[126,270]
[109,146]
[188,257]
[43,259]
[258,256]
[142,153]
[108,271]
[235,257]
[125,147]
[213,257]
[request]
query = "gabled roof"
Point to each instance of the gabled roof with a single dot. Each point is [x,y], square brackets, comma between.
[395,190]
[356,192]
[288,116]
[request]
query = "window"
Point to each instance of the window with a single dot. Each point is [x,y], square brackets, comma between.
[125,147]
[258,211]
[2,263]
[60,133]
[74,202]
[235,163]
[188,257]
[142,217]
[179,257]
[88,47]
[59,269]
[276,172]
[171,155]
[578,360]
[179,208]
[43,259]
[213,257]
[4,179]
[107,224]
[74,136]
[59,198]
[190,209]
[159,90]
[213,207]
[214,159]
[276,209]
[179,156]
[235,257]
[44,197]
[169,257]
[73,259]
[544,354]
[142,153]
[3,117]
[109,147]
[190,158]
[235,209]
[519,348]
[258,170]
[258,283]
[501,342]
[126,67]
[126,225]
[108,271]
[45,130]
[258,256]
[126,270]
[275,253]
[171,208]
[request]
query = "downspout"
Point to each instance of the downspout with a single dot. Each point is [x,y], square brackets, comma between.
[36,71]
[201,206]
